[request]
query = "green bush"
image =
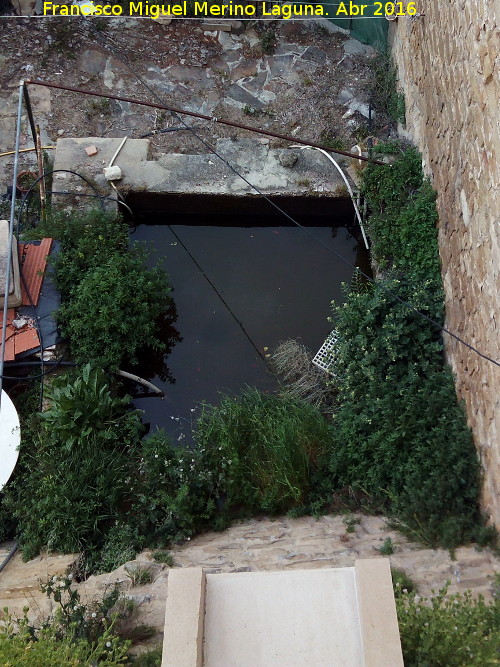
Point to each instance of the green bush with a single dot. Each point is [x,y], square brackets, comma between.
[87,241]
[451,631]
[73,634]
[113,311]
[399,434]
[112,303]
[175,498]
[262,450]
[75,476]
[254,453]
[403,220]
[20,649]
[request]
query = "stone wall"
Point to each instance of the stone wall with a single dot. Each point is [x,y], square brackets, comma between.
[448,68]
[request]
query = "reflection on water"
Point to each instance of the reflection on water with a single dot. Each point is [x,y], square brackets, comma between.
[277,283]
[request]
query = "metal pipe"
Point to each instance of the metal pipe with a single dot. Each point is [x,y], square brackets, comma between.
[11,234]
[145,383]
[27,102]
[212,119]
[39,159]
[8,557]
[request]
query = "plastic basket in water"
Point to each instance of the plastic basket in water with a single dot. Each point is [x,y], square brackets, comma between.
[326,354]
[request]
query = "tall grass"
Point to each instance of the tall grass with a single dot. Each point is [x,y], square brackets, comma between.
[262,449]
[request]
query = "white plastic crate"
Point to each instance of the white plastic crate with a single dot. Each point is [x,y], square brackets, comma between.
[326,353]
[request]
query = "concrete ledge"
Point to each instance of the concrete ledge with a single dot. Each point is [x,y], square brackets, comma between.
[14,296]
[377,613]
[184,618]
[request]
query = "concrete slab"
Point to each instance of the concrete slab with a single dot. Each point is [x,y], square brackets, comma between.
[202,173]
[14,296]
[273,619]
[342,617]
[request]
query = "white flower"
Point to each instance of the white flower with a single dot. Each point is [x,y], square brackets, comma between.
[108,644]
[94,614]
[156,456]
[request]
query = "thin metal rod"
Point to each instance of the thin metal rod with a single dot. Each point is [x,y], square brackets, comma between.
[213,119]
[11,235]
[29,110]
[39,159]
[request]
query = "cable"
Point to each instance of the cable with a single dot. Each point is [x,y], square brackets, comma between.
[48,173]
[27,150]
[240,324]
[119,51]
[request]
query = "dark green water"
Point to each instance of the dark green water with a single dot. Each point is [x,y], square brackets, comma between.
[277,282]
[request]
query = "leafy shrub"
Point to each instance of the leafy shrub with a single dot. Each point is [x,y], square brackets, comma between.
[87,241]
[112,312]
[76,477]
[401,583]
[399,433]
[403,221]
[74,633]
[19,648]
[450,631]
[174,499]
[112,303]
[261,450]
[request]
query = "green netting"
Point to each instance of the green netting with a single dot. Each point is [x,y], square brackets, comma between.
[369,29]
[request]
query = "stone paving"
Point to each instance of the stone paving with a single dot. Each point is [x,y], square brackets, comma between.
[264,544]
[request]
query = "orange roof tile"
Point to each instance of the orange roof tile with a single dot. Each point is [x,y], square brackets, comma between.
[33,260]
[10,316]
[26,339]
[10,354]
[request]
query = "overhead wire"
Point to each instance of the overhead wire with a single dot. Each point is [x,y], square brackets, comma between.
[207,278]
[117,51]
[176,115]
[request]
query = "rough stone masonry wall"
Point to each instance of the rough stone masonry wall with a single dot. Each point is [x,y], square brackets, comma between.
[448,67]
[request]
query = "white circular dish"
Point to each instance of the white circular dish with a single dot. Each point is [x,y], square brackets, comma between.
[10,439]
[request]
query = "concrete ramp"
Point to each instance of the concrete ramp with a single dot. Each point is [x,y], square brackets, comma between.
[343,617]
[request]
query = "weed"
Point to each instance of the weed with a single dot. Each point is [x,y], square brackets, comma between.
[350,523]
[262,450]
[139,575]
[304,182]
[268,41]
[387,549]
[332,141]
[101,105]
[149,659]
[401,583]
[385,96]
[63,36]
[163,556]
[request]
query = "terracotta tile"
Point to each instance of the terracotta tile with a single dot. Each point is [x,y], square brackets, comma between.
[33,262]
[26,339]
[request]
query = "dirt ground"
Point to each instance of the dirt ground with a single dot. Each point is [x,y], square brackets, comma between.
[293,78]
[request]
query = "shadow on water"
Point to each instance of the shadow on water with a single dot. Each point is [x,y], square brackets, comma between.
[239,290]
